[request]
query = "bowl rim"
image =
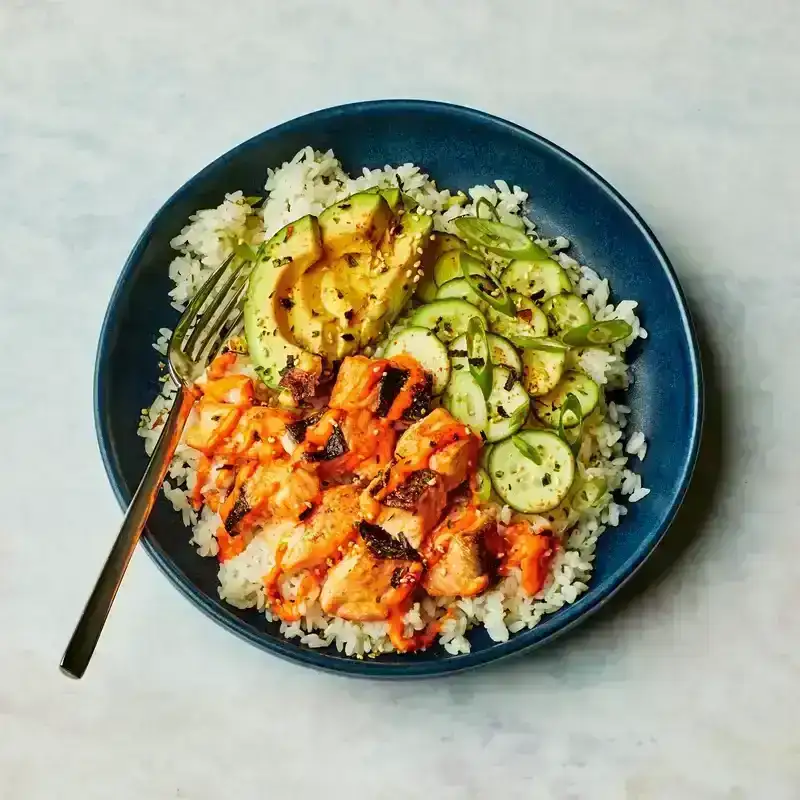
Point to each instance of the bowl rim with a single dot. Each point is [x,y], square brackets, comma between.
[551,626]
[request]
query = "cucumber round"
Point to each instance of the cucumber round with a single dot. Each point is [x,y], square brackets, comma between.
[446,318]
[565,312]
[542,370]
[422,345]
[501,352]
[548,407]
[536,279]
[439,243]
[464,400]
[530,319]
[458,289]
[526,486]
[507,405]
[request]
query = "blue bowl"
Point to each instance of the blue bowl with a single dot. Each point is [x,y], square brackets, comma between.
[459,147]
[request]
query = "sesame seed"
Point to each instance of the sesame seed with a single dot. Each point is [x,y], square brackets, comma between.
[432,238]
[419,251]
[416,279]
[417,263]
[409,273]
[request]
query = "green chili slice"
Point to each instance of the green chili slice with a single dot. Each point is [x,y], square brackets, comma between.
[478,356]
[492,211]
[529,452]
[572,406]
[503,240]
[597,333]
[544,343]
[485,285]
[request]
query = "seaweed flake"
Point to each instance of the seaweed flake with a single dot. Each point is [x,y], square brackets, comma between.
[383,545]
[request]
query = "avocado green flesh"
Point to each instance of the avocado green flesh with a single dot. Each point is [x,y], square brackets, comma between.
[393,282]
[292,251]
[326,288]
[354,225]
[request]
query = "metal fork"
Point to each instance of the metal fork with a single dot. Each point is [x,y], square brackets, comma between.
[213,315]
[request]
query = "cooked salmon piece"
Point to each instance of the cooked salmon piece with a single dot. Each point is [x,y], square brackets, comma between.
[234,389]
[277,491]
[459,565]
[357,384]
[320,536]
[213,422]
[433,432]
[455,462]
[257,434]
[415,507]
[360,586]
[418,444]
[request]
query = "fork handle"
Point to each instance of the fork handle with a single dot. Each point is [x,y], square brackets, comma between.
[90,625]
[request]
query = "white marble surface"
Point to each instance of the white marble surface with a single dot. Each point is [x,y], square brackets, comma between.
[690,689]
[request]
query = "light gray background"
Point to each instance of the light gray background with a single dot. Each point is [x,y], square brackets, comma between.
[686,690]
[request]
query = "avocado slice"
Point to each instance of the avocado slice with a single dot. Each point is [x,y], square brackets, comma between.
[290,253]
[392,279]
[326,287]
[332,291]
[354,225]
[391,195]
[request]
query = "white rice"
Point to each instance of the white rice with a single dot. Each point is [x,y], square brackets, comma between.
[307,184]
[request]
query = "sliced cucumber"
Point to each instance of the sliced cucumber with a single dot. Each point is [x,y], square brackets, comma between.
[529,321]
[507,405]
[565,312]
[446,318]
[458,289]
[422,345]
[440,243]
[447,267]
[464,400]
[526,486]
[542,370]
[548,407]
[536,279]
[501,352]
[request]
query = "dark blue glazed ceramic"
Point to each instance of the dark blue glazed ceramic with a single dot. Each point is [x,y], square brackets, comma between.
[459,147]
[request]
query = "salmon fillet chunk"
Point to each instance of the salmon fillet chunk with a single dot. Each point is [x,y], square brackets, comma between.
[360,586]
[415,507]
[460,566]
[330,527]
[455,462]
